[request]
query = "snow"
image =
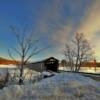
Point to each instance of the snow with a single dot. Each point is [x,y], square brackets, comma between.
[3,73]
[8,66]
[83,69]
[48,73]
[14,74]
[62,86]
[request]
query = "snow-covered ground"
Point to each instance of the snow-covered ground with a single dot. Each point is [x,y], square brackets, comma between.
[8,66]
[62,86]
[28,75]
[83,69]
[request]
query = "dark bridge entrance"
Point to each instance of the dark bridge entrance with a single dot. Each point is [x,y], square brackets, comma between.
[51,64]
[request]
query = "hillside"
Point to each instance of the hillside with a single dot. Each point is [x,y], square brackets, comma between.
[5,61]
[63,86]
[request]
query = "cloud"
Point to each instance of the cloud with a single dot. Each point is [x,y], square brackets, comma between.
[66,30]
[62,36]
[61,28]
[90,23]
[48,22]
[49,15]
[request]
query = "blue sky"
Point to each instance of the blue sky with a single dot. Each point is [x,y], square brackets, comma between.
[56,21]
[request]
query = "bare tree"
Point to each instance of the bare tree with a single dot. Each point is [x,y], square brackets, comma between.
[78,52]
[69,54]
[26,48]
[63,63]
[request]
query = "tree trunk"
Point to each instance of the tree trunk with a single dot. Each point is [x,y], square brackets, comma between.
[77,58]
[79,66]
[21,75]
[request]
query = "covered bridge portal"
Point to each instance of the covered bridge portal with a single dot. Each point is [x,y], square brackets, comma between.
[51,64]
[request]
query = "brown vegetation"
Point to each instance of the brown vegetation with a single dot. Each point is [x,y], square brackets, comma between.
[4,61]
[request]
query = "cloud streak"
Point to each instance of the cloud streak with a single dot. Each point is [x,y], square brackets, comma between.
[90,23]
[61,19]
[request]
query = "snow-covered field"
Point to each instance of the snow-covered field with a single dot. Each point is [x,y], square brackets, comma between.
[8,66]
[28,75]
[63,86]
[83,69]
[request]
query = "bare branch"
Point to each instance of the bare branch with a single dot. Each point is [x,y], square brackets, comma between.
[79,52]
[10,55]
[27,48]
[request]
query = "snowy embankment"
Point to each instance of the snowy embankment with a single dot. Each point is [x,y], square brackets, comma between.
[83,69]
[14,73]
[63,86]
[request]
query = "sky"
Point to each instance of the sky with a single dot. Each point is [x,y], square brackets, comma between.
[56,21]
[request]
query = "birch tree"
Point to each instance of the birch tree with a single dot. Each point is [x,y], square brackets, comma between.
[26,48]
[78,51]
